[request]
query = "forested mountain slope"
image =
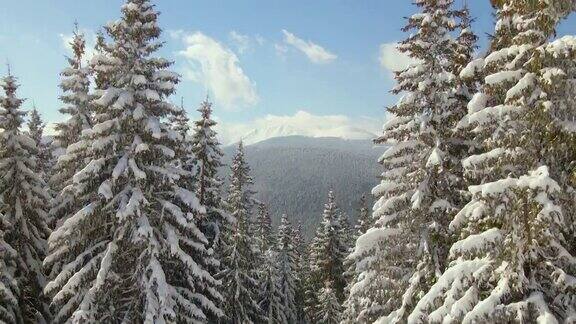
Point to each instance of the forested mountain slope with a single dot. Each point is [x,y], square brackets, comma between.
[294,174]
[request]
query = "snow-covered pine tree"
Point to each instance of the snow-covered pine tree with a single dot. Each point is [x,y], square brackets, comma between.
[263,230]
[9,291]
[327,253]
[363,223]
[36,131]
[180,121]
[186,159]
[287,269]
[133,252]
[239,261]
[44,158]
[208,156]
[75,86]
[347,234]
[439,100]
[23,209]
[514,261]
[301,270]
[329,310]
[419,192]
[35,125]
[269,294]
[364,219]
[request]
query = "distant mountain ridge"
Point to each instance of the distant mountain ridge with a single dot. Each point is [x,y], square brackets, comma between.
[293,174]
[343,132]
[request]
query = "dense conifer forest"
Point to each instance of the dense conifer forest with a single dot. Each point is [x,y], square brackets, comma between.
[138,219]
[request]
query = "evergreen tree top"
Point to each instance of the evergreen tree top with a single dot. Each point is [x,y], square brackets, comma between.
[240,169]
[206,144]
[285,232]
[78,46]
[180,120]
[264,228]
[76,97]
[331,213]
[206,110]
[36,125]
[13,117]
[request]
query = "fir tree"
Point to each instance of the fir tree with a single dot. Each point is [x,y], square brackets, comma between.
[36,131]
[513,261]
[329,310]
[44,160]
[208,155]
[327,253]
[287,269]
[186,159]
[439,106]
[351,307]
[421,185]
[133,252]
[300,271]
[75,84]
[264,232]
[364,220]
[10,311]
[36,126]
[180,121]
[23,209]
[270,294]
[239,262]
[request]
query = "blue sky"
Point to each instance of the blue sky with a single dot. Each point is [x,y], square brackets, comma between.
[262,61]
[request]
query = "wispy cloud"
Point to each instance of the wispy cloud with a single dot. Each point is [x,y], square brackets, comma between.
[242,42]
[391,59]
[218,68]
[315,53]
[245,43]
[281,50]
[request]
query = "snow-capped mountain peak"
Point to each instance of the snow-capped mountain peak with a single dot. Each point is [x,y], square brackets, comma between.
[344,132]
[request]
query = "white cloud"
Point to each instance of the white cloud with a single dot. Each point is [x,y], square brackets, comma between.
[242,42]
[392,59]
[260,40]
[245,43]
[218,68]
[281,50]
[89,38]
[314,52]
[301,123]
[175,33]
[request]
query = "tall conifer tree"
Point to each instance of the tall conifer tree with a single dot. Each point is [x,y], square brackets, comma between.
[23,208]
[208,159]
[422,183]
[133,252]
[75,86]
[270,298]
[513,261]
[263,229]
[327,253]
[287,269]
[36,131]
[9,291]
[239,273]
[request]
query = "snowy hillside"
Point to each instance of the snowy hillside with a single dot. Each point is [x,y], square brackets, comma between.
[294,174]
